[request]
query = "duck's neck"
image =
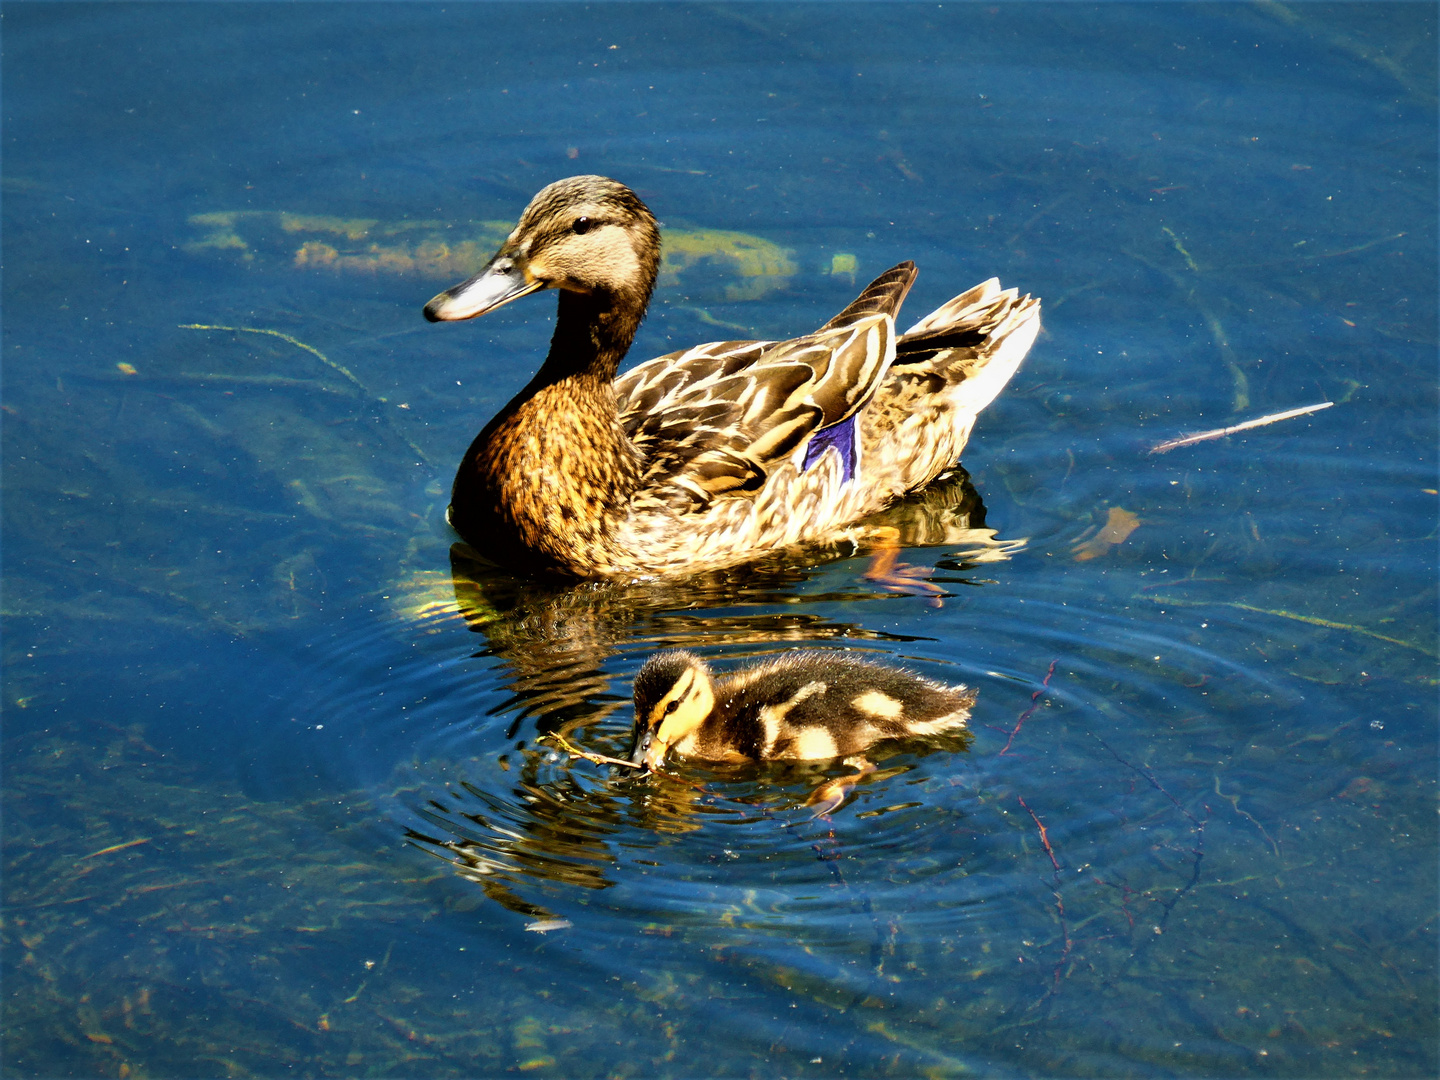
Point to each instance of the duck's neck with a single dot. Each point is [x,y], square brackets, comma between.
[592,335]
[542,481]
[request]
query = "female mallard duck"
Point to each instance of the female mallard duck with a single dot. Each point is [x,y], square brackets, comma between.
[720,453]
[802,706]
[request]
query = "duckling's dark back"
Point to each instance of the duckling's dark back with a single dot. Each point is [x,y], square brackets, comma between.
[813,704]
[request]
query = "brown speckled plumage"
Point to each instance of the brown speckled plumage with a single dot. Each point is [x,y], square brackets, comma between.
[698,459]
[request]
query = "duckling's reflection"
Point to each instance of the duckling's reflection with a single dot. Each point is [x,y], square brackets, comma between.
[556,639]
[560,825]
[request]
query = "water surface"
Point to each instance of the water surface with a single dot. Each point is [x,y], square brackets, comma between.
[276,793]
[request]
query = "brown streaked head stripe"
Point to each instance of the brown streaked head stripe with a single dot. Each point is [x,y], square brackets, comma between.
[602,197]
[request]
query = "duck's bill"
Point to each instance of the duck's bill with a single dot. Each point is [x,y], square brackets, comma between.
[499,283]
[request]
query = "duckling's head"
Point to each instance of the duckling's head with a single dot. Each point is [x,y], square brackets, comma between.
[673,696]
[587,235]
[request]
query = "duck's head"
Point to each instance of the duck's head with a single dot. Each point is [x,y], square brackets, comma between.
[673,696]
[587,235]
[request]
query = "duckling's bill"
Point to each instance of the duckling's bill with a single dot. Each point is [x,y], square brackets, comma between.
[647,754]
[650,749]
[505,278]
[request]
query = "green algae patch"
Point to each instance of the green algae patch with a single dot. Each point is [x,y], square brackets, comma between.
[732,266]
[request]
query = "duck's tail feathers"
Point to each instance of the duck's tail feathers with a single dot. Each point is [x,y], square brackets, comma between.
[958,310]
[883,296]
[976,340]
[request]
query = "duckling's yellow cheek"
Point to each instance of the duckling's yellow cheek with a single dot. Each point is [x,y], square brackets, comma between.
[668,731]
[814,743]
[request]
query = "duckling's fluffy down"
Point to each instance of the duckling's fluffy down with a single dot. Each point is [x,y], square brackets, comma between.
[803,705]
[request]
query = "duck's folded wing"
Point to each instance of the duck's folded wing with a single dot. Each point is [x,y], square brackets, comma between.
[645,389]
[713,421]
[883,296]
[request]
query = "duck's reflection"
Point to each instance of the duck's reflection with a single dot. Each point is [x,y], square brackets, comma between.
[557,638]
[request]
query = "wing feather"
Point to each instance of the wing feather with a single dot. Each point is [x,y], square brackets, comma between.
[883,296]
[714,420]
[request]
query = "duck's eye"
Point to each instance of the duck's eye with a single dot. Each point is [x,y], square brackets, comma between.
[672,706]
[581,226]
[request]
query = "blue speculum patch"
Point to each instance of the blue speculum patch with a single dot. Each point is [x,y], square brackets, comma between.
[842,437]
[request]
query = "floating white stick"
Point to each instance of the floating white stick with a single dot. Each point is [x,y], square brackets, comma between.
[1220,433]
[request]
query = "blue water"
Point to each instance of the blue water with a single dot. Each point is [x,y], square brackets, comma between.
[275,795]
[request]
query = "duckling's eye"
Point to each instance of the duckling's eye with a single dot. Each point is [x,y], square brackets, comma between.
[581,226]
[672,706]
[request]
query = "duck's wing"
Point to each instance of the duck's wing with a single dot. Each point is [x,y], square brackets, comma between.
[883,296]
[713,421]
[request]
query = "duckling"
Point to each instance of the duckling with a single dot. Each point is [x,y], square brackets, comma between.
[802,706]
[717,454]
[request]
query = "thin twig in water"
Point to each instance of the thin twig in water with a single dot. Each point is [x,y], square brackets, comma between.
[1197,823]
[1034,703]
[1044,833]
[1220,433]
[1059,901]
[1234,801]
[1280,613]
[598,759]
[117,847]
